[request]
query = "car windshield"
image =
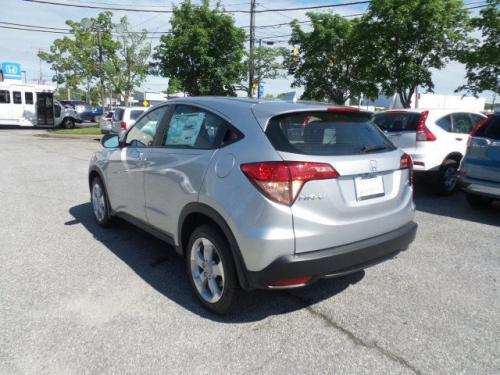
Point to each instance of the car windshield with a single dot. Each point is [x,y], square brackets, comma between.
[326,133]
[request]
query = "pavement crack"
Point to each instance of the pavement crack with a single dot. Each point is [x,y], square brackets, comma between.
[351,336]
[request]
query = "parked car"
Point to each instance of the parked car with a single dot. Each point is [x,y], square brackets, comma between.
[124,118]
[436,139]
[86,111]
[480,168]
[65,117]
[258,195]
[106,122]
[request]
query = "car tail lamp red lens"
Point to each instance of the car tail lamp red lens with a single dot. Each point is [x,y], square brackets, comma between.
[423,132]
[478,127]
[297,281]
[407,163]
[281,181]
[123,125]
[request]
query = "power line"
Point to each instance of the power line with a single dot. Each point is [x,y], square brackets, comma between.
[106,7]
[58,30]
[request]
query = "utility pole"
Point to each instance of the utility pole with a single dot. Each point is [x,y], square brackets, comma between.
[40,77]
[103,94]
[251,72]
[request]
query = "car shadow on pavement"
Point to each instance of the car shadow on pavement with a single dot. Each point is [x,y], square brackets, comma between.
[454,206]
[160,266]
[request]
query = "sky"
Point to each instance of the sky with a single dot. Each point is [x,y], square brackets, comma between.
[22,46]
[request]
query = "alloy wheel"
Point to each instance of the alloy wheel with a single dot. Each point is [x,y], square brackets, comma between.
[207,270]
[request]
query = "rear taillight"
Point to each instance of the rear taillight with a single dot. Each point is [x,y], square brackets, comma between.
[423,133]
[123,125]
[478,127]
[406,162]
[281,181]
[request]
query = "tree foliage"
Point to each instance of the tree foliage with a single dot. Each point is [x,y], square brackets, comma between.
[482,57]
[328,64]
[408,38]
[127,68]
[100,53]
[203,50]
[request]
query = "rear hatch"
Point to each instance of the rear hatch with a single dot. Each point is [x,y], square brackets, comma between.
[400,127]
[482,160]
[368,193]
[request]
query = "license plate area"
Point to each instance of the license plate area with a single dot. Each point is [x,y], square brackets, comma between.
[369,187]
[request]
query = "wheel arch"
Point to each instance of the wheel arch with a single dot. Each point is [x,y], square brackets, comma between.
[195,214]
[456,156]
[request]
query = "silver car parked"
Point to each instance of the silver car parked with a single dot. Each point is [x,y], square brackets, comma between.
[258,194]
[480,168]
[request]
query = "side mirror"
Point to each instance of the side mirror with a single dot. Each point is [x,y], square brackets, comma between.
[110,141]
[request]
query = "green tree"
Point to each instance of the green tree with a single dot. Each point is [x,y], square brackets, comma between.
[328,62]
[408,38]
[174,86]
[62,62]
[127,68]
[203,51]
[267,65]
[482,57]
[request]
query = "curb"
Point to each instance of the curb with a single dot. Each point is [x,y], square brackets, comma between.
[65,136]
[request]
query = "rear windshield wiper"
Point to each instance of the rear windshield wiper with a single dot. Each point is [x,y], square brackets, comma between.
[367,149]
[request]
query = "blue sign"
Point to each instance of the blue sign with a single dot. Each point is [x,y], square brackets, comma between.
[11,70]
[261,91]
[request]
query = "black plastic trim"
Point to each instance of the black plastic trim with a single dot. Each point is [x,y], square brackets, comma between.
[197,207]
[336,261]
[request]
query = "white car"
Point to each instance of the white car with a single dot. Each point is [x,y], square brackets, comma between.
[436,139]
[106,122]
[124,118]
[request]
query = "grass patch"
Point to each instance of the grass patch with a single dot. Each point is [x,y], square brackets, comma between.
[77,131]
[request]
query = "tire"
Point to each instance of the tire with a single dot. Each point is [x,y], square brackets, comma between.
[447,178]
[68,123]
[478,202]
[100,203]
[212,274]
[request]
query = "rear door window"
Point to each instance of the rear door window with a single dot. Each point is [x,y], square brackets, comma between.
[192,127]
[461,123]
[445,123]
[326,133]
[397,121]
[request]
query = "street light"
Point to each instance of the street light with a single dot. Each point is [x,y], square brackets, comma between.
[269,43]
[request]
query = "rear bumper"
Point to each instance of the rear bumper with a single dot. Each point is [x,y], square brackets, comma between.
[480,187]
[336,261]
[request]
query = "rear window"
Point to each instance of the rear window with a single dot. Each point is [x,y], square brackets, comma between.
[118,114]
[397,121]
[326,133]
[491,129]
[134,114]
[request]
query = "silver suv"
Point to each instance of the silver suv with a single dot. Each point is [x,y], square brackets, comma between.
[258,194]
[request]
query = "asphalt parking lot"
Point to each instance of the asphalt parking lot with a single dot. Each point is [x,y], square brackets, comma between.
[75,298]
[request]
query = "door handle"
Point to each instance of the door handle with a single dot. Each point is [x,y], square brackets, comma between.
[459,139]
